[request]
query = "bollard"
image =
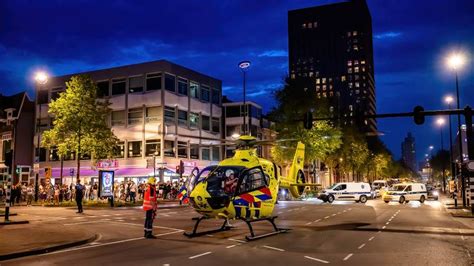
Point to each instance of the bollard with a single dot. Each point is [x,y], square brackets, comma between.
[8,198]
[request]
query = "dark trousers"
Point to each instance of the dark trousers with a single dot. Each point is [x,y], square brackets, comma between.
[79,204]
[149,222]
[132,197]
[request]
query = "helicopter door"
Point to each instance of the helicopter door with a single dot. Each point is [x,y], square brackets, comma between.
[251,191]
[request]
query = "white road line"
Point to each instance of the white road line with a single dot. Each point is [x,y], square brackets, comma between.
[333,214]
[348,256]
[326,217]
[166,264]
[315,259]
[236,240]
[274,248]
[316,221]
[383,227]
[361,246]
[344,210]
[387,223]
[199,255]
[88,222]
[308,223]
[339,212]
[117,214]
[155,226]
[231,246]
[105,215]
[210,235]
[372,238]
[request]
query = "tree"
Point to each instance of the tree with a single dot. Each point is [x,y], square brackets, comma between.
[80,122]
[440,165]
[293,100]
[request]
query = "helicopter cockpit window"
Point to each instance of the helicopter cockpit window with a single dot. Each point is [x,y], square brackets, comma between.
[252,180]
[224,179]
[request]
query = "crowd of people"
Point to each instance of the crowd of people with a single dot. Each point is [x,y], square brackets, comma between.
[127,191]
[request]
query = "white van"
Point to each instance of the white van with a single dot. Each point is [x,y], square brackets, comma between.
[405,192]
[379,187]
[359,192]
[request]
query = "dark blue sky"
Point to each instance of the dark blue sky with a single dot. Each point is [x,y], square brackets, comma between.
[411,39]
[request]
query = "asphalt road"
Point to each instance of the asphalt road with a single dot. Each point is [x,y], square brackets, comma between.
[343,233]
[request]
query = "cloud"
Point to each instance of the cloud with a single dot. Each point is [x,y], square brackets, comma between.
[387,35]
[273,53]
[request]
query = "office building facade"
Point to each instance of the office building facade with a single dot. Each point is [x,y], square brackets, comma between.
[409,152]
[331,47]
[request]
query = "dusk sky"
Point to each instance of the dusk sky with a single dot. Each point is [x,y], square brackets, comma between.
[411,40]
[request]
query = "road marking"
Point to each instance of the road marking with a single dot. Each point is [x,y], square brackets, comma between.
[105,215]
[236,240]
[334,214]
[274,248]
[379,232]
[199,255]
[349,209]
[279,212]
[308,223]
[326,217]
[316,221]
[88,222]
[315,259]
[361,246]
[344,210]
[387,223]
[339,212]
[155,226]
[166,264]
[383,227]
[77,218]
[231,246]
[348,256]
[92,216]
[372,238]
[117,214]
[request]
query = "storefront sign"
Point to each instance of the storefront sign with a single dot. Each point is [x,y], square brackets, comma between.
[107,164]
[106,183]
[7,136]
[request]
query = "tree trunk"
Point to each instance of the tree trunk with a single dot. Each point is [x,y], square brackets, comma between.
[78,158]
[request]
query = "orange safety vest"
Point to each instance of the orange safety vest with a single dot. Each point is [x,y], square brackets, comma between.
[149,201]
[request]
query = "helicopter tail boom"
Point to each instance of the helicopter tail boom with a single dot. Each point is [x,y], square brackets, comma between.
[295,179]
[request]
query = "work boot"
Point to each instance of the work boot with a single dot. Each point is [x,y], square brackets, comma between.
[150,236]
[146,233]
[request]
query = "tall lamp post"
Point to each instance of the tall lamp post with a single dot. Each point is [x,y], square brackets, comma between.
[41,78]
[449,99]
[431,147]
[455,62]
[244,65]
[440,123]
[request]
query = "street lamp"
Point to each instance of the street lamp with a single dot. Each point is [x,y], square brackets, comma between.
[440,122]
[449,99]
[41,78]
[244,65]
[431,147]
[455,62]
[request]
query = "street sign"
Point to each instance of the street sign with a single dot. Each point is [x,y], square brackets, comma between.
[71,172]
[470,165]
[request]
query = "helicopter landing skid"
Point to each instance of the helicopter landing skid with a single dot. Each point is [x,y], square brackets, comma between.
[224,227]
[269,219]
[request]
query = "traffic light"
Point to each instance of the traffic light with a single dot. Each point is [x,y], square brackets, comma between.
[47,172]
[308,120]
[418,115]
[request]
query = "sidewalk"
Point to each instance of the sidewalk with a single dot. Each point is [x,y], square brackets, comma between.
[166,204]
[459,211]
[24,240]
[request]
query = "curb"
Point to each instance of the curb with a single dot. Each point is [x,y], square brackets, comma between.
[46,249]
[15,222]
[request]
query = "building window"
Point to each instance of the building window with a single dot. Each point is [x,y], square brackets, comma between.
[205,122]
[216,156]
[354,33]
[103,89]
[182,86]
[194,120]
[43,97]
[135,116]
[362,62]
[182,149]
[119,150]
[215,125]
[194,89]
[169,148]
[355,47]
[357,84]
[118,86]
[152,114]
[170,83]
[324,87]
[170,114]
[232,111]
[231,130]
[356,69]
[323,80]
[153,147]
[153,82]
[349,70]
[356,62]
[363,69]
[53,154]
[118,118]
[315,24]
[134,149]
[205,93]
[216,96]
[56,92]
[303,26]
[135,84]
[206,154]
[194,151]
[182,118]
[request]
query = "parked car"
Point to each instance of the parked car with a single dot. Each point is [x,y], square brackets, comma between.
[405,192]
[359,192]
[379,187]
[432,192]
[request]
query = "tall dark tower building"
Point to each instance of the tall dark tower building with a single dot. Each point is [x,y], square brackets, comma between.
[331,46]
[408,152]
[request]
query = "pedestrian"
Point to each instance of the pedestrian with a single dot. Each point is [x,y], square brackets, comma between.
[30,191]
[56,195]
[79,195]
[150,206]
[133,192]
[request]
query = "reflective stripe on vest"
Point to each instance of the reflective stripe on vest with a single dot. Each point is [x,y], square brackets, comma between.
[149,200]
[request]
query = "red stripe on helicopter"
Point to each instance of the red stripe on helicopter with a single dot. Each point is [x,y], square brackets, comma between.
[247,197]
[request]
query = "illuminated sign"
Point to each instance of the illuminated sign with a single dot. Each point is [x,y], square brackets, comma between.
[106,183]
[107,164]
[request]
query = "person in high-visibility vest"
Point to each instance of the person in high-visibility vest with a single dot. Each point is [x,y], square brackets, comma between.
[150,206]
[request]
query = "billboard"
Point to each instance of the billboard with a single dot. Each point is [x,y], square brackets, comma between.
[106,183]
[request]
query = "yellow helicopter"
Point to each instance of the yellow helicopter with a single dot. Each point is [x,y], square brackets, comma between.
[243,187]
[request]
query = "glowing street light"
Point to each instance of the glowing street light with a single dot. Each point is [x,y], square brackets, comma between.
[456,60]
[449,99]
[41,77]
[244,66]
[440,121]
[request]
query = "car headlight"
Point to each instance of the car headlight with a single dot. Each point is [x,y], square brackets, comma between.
[436,193]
